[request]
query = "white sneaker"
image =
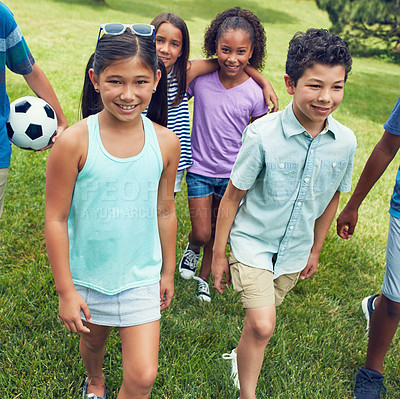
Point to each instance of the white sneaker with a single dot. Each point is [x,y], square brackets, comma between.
[188,263]
[203,290]
[366,306]
[234,368]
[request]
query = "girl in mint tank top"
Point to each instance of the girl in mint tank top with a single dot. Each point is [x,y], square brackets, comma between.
[110,216]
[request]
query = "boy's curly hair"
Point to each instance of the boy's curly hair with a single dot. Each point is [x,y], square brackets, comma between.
[316,46]
[237,18]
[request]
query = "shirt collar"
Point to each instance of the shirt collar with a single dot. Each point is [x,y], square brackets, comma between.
[291,126]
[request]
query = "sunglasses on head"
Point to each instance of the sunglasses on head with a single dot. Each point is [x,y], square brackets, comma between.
[119,29]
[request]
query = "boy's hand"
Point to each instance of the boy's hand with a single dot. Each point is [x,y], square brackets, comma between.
[346,222]
[219,267]
[70,306]
[59,130]
[167,290]
[311,267]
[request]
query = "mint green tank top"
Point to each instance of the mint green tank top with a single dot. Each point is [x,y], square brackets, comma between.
[114,242]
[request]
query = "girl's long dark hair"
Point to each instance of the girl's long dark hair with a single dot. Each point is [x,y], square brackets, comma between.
[180,66]
[90,100]
[157,110]
[113,48]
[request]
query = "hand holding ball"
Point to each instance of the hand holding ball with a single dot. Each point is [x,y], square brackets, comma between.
[32,123]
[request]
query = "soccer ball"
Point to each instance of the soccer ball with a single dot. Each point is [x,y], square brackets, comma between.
[32,123]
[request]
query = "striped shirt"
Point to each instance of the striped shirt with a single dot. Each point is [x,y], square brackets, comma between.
[15,54]
[178,121]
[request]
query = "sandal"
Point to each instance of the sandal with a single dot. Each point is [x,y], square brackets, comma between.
[91,395]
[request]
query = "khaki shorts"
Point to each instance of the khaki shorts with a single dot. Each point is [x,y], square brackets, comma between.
[257,287]
[3,182]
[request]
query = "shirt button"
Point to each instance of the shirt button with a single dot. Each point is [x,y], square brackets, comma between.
[334,165]
[306,179]
[282,165]
[291,227]
[312,151]
[283,249]
[299,203]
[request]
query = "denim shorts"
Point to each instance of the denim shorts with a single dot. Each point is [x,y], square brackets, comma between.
[203,186]
[178,180]
[131,307]
[391,281]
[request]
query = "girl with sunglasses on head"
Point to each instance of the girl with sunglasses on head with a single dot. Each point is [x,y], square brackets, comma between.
[110,216]
[173,47]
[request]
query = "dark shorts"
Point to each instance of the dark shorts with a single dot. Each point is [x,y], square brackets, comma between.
[203,186]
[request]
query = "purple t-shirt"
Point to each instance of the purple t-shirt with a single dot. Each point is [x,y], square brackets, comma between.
[220,115]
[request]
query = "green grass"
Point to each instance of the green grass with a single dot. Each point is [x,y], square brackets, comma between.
[319,340]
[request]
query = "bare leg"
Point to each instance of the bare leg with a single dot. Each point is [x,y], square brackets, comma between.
[385,320]
[92,347]
[205,268]
[259,325]
[200,218]
[139,359]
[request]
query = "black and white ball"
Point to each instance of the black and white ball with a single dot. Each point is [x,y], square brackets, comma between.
[32,123]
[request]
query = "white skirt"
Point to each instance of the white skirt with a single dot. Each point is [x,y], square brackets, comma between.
[128,308]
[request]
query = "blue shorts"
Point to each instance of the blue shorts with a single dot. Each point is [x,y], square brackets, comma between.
[391,281]
[131,307]
[203,186]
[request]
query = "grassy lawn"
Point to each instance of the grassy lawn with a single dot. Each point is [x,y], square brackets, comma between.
[319,340]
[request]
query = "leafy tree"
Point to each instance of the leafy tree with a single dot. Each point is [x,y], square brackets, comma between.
[360,20]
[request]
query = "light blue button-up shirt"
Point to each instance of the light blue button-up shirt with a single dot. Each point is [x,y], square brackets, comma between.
[290,178]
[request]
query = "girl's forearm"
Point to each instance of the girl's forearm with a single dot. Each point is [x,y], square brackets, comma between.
[56,235]
[167,226]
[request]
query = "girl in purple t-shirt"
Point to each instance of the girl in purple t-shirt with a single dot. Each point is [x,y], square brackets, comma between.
[225,101]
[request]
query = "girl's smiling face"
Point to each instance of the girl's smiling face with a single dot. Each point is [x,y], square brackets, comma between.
[169,44]
[126,87]
[234,50]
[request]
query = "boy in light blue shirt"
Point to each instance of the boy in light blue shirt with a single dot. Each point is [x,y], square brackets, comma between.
[283,194]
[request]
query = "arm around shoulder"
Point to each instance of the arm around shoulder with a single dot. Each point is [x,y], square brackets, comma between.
[268,91]
[200,67]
